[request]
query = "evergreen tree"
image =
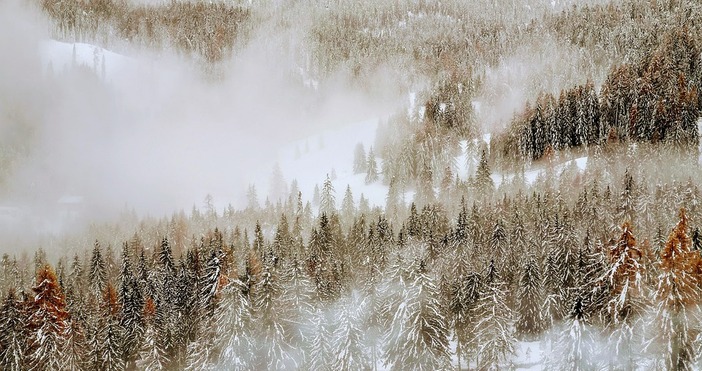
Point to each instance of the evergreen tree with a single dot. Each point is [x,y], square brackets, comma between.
[419,335]
[327,202]
[483,181]
[348,343]
[98,272]
[359,159]
[110,332]
[493,330]
[13,337]
[530,295]
[272,348]
[74,349]
[233,332]
[152,356]
[320,354]
[574,350]
[371,168]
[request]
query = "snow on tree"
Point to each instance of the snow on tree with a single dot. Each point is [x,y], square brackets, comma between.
[110,332]
[371,168]
[419,330]
[272,346]
[131,304]
[46,323]
[320,356]
[300,296]
[483,181]
[74,349]
[152,356]
[233,334]
[627,297]
[529,323]
[13,336]
[575,347]
[677,311]
[98,272]
[327,202]
[494,332]
[348,208]
[360,163]
[348,345]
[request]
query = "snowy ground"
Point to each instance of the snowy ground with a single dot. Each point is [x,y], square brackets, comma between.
[308,160]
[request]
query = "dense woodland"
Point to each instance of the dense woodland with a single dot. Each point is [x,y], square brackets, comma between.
[602,266]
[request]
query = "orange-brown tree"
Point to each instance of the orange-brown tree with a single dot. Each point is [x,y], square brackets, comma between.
[676,295]
[47,322]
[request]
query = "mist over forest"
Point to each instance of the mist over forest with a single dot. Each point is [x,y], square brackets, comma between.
[367,185]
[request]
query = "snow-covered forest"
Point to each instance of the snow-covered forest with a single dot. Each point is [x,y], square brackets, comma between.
[368,185]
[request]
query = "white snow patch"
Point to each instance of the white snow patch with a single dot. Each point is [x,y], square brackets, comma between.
[60,56]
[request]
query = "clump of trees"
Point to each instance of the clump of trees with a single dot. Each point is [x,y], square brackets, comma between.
[652,100]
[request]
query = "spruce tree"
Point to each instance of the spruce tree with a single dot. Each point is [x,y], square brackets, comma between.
[493,330]
[13,336]
[419,335]
[530,296]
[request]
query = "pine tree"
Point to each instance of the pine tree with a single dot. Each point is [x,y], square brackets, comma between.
[13,337]
[348,208]
[110,332]
[530,295]
[359,159]
[327,202]
[47,322]
[272,348]
[371,168]
[320,354]
[483,181]
[131,303]
[299,295]
[74,350]
[152,356]
[233,332]
[419,334]
[575,348]
[98,272]
[348,336]
[493,330]
[627,296]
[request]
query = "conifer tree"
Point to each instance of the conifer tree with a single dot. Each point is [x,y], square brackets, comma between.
[152,356]
[110,332]
[272,348]
[46,322]
[74,349]
[493,330]
[419,335]
[483,181]
[233,332]
[348,343]
[676,295]
[98,272]
[327,202]
[320,355]
[371,168]
[131,304]
[575,348]
[359,159]
[627,296]
[13,337]
[530,296]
